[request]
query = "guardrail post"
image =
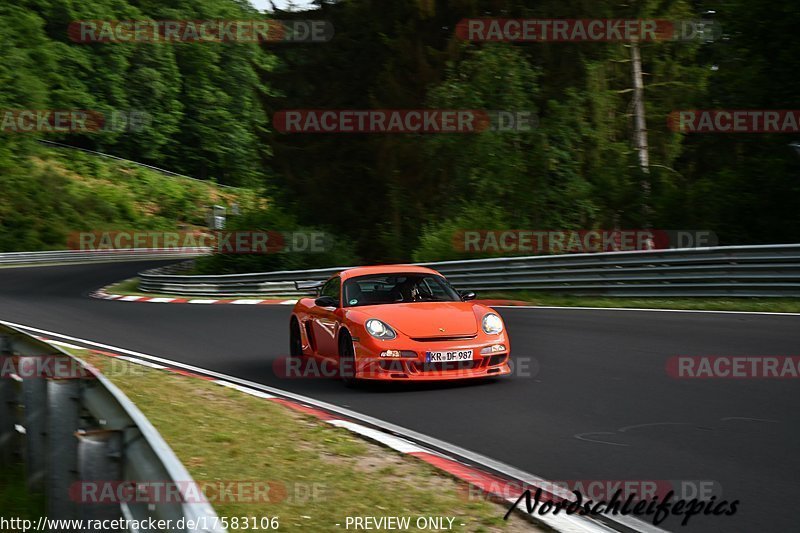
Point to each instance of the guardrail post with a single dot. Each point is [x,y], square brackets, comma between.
[34,398]
[8,406]
[63,404]
[99,466]
[57,398]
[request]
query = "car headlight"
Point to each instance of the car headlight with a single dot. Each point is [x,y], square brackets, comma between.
[492,323]
[380,330]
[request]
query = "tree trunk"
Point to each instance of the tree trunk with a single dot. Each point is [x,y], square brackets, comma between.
[640,133]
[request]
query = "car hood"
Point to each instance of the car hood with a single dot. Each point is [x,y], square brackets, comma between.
[427,319]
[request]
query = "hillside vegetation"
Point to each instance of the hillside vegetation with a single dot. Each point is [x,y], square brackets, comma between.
[398,197]
[56,192]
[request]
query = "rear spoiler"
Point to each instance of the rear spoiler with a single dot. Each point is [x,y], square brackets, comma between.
[308,286]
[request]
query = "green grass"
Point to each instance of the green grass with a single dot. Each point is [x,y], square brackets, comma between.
[15,499]
[80,192]
[128,287]
[774,305]
[222,434]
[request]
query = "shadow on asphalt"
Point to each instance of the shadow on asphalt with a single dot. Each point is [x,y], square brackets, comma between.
[421,386]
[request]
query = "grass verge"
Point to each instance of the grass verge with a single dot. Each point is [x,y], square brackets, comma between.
[772,305]
[221,434]
[15,499]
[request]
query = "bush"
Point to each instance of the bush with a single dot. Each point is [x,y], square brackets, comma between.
[338,252]
[441,241]
[55,192]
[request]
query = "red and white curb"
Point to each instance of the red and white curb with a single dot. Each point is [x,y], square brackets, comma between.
[103,295]
[505,486]
[485,483]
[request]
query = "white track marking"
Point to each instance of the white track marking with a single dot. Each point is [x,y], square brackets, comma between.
[563,524]
[140,362]
[245,390]
[649,310]
[64,344]
[395,443]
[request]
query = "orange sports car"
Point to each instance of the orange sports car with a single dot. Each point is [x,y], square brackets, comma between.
[398,323]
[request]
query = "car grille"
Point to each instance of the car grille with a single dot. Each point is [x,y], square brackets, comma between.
[392,366]
[497,359]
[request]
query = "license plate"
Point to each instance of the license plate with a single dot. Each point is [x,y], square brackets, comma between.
[448,357]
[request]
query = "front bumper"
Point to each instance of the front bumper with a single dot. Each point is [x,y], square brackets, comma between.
[370,366]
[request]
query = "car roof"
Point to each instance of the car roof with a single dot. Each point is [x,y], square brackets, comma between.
[385,269]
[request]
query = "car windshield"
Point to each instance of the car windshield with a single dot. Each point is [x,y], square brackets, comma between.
[397,288]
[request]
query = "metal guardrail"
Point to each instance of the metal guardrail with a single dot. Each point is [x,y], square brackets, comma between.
[74,429]
[745,271]
[151,167]
[99,256]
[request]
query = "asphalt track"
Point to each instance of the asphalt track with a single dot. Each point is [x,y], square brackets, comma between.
[599,407]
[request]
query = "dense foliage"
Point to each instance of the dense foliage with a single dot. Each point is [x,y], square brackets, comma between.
[401,196]
[579,168]
[61,193]
[201,99]
[201,104]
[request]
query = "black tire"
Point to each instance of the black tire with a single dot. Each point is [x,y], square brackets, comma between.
[347,360]
[295,341]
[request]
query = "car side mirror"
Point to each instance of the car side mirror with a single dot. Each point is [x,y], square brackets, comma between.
[326,301]
[468,295]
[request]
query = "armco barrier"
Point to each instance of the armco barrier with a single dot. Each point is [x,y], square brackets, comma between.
[98,256]
[754,271]
[69,424]
[143,165]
